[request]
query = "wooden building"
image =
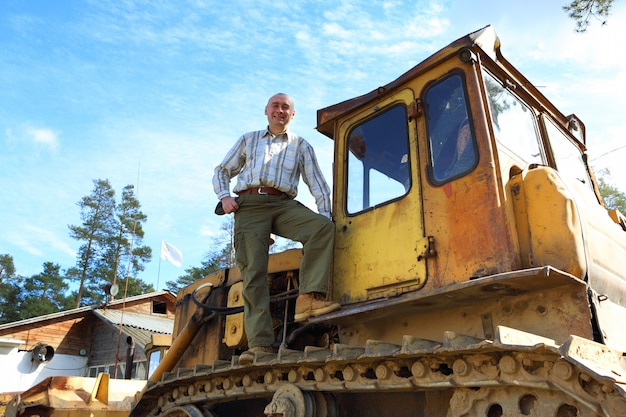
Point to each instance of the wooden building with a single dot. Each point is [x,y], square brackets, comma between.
[85,341]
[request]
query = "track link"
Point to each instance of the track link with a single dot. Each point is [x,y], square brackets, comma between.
[515,374]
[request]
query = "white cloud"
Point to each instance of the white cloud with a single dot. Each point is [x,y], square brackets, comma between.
[40,241]
[40,136]
[210,231]
[46,137]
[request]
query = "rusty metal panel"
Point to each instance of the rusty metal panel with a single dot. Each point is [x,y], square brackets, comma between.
[543,301]
[471,226]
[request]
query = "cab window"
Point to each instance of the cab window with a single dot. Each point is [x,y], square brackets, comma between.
[513,123]
[568,157]
[378,160]
[451,140]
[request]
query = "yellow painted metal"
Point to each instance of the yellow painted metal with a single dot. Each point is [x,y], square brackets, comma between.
[65,396]
[180,344]
[618,218]
[185,308]
[288,260]
[548,224]
[546,301]
[158,340]
[234,334]
[100,390]
[196,341]
[234,331]
[376,252]
[157,348]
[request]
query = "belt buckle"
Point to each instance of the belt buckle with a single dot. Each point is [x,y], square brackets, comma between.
[261,192]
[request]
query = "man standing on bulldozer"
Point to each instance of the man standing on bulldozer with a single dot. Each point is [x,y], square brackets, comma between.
[268,164]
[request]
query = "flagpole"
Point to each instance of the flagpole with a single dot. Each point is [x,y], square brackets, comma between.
[159,271]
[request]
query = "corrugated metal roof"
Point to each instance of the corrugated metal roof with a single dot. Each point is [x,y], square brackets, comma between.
[83,310]
[151,323]
[140,336]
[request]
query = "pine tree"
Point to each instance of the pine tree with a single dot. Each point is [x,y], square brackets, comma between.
[97,215]
[126,252]
[10,290]
[582,11]
[613,197]
[44,293]
[112,249]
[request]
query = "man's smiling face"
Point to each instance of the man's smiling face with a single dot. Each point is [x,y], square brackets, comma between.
[279,112]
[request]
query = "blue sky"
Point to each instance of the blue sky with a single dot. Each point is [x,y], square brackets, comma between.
[153,93]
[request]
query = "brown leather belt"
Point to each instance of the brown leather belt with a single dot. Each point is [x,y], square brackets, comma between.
[261,191]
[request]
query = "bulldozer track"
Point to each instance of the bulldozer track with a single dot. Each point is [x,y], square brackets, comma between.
[515,374]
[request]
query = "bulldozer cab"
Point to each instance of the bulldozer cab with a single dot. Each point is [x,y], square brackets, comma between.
[461,169]
[416,181]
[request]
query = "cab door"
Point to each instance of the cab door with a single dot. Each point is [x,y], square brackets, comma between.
[377,203]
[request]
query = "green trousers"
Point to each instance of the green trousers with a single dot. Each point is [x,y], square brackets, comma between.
[256,218]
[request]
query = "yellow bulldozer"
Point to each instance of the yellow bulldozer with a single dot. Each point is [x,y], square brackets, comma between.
[478,269]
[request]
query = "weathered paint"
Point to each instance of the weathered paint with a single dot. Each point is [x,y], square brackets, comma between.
[76,397]
[548,221]
[376,251]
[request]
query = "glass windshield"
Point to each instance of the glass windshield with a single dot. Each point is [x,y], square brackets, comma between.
[568,157]
[378,160]
[451,139]
[513,123]
[155,358]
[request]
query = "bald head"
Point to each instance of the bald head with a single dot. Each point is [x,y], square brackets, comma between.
[279,111]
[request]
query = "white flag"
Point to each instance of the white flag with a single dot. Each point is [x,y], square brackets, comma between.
[171,254]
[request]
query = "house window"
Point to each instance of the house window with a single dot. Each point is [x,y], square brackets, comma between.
[139,370]
[159,307]
[94,371]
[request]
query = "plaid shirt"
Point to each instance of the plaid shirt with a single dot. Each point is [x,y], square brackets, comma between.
[261,159]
